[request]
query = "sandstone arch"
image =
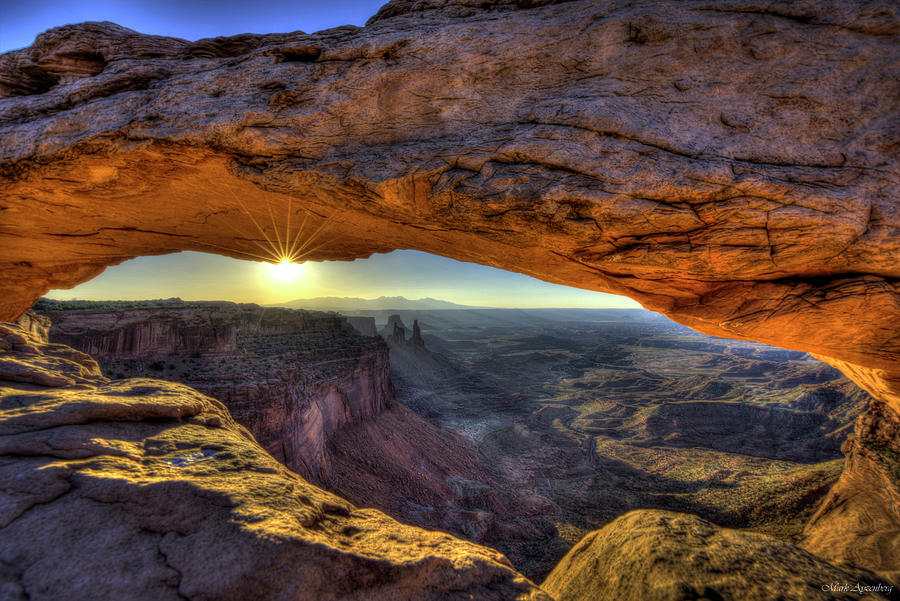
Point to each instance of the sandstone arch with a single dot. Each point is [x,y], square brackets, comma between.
[731,164]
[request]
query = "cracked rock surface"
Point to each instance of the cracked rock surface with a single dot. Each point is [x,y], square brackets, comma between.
[731,164]
[145,489]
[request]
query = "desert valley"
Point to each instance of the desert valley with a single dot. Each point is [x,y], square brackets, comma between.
[519,429]
[730,166]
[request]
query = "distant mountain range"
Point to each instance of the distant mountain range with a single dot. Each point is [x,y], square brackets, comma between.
[382,303]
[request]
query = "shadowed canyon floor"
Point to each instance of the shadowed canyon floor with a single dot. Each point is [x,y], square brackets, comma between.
[175,500]
[530,428]
[601,411]
[730,164]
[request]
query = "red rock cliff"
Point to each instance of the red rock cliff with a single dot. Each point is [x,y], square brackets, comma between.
[148,490]
[732,164]
[292,377]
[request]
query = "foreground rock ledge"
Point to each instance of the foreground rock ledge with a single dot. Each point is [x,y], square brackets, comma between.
[732,165]
[144,489]
[650,555]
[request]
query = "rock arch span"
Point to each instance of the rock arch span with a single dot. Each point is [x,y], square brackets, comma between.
[731,164]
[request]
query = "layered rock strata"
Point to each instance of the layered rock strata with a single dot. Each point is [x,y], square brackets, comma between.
[316,396]
[146,489]
[293,378]
[732,165]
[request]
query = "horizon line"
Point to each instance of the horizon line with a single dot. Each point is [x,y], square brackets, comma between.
[281,303]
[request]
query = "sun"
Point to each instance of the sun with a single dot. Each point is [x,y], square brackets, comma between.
[286,270]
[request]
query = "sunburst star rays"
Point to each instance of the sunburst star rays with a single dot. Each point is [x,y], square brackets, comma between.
[281,244]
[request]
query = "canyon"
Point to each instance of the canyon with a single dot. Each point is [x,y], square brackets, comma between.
[527,430]
[125,453]
[732,165]
[292,378]
[600,412]
[147,489]
[316,394]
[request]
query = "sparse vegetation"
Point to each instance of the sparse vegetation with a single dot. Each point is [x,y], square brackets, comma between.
[587,420]
[886,455]
[605,418]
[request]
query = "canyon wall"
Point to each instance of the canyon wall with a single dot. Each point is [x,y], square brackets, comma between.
[293,378]
[318,397]
[859,521]
[144,489]
[146,333]
[732,165]
[363,325]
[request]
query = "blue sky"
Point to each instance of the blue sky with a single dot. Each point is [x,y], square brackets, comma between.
[22,20]
[195,276]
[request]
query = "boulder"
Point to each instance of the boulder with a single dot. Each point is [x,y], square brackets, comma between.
[652,555]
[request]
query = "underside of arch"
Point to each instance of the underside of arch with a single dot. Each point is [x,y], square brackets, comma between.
[730,165]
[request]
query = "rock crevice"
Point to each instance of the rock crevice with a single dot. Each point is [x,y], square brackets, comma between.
[728,167]
[733,166]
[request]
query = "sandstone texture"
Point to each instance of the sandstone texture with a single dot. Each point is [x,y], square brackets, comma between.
[651,555]
[145,489]
[859,521]
[36,324]
[293,378]
[731,164]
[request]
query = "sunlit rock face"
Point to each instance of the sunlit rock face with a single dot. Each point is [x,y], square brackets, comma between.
[731,165]
[293,378]
[859,521]
[651,555]
[146,489]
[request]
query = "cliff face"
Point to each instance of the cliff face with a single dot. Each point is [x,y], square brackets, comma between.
[147,333]
[859,521]
[318,397]
[293,378]
[730,166]
[148,490]
[363,325]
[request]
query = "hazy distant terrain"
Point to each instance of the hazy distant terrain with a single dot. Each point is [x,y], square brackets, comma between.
[539,424]
[353,306]
[603,411]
